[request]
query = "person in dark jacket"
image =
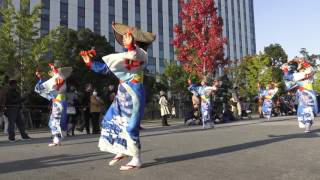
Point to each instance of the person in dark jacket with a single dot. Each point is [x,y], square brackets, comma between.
[13,108]
[86,109]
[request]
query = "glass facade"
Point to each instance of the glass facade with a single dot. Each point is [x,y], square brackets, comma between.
[125,11]
[96,16]
[233,30]
[1,19]
[64,13]
[45,18]
[81,14]
[252,29]
[239,28]
[226,24]
[111,19]
[151,60]
[137,13]
[171,48]
[237,15]
[245,29]
[160,33]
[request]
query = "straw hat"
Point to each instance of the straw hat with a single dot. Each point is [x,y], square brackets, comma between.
[142,39]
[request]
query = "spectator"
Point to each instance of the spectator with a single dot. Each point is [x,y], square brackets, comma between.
[3,117]
[164,108]
[36,117]
[72,100]
[95,110]
[110,93]
[235,104]
[86,109]
[13,109]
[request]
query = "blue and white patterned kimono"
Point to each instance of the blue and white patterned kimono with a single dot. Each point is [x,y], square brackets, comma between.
[54,90]
[121,123]
[306,95]
[204,92]
[267,95]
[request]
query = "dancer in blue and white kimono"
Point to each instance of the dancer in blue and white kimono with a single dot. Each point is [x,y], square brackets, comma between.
[267,96]
[204,92]
[54,89]
[298,74]
[121,123]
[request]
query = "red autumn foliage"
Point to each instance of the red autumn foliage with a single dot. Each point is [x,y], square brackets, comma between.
[199,42]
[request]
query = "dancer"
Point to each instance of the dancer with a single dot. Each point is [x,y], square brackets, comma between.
[120,125]
[204,92]
[54,89]
[298,74]
[267,96]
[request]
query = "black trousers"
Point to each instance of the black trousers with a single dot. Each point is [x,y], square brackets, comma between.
[14,117]
[72,119]
[86,122]
[164,120]
[95,120]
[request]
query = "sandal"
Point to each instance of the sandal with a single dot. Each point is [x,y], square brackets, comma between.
[115,160]
[129,167]
[54,144]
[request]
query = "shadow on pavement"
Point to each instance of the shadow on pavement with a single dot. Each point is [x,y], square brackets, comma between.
[46,140]
[197,128]
[230,149]
[49,161]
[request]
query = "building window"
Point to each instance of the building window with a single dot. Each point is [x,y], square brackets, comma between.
[137,13]
[227,29]
[26,9]
[245,28]
[111,19]
[219,8]
[64,13]
[96,9]
[2,5]
[149,15]
[125,12]
[81,14]
[45,18]
[149,23]
[179,18]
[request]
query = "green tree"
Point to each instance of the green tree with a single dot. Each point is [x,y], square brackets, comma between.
[277,57]
[277,54]
[66,45]
[175,78]
[250,71]
[21,47]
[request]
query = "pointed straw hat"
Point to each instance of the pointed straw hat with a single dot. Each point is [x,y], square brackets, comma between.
[142,39]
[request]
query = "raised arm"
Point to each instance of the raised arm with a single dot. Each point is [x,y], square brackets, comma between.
[96,66]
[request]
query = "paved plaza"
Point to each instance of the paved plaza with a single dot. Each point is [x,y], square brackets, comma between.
[243,150]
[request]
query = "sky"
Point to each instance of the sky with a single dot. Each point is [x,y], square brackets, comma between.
[294,24]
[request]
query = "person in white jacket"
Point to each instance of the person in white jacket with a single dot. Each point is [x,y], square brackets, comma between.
[164,109]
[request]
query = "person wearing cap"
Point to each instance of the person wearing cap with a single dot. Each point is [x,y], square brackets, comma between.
[54,90]
[164,110]
[120,125]
[267,95]
[204,91]
[298,74]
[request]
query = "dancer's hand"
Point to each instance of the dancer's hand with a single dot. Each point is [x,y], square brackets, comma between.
[189,81]
[85,57]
